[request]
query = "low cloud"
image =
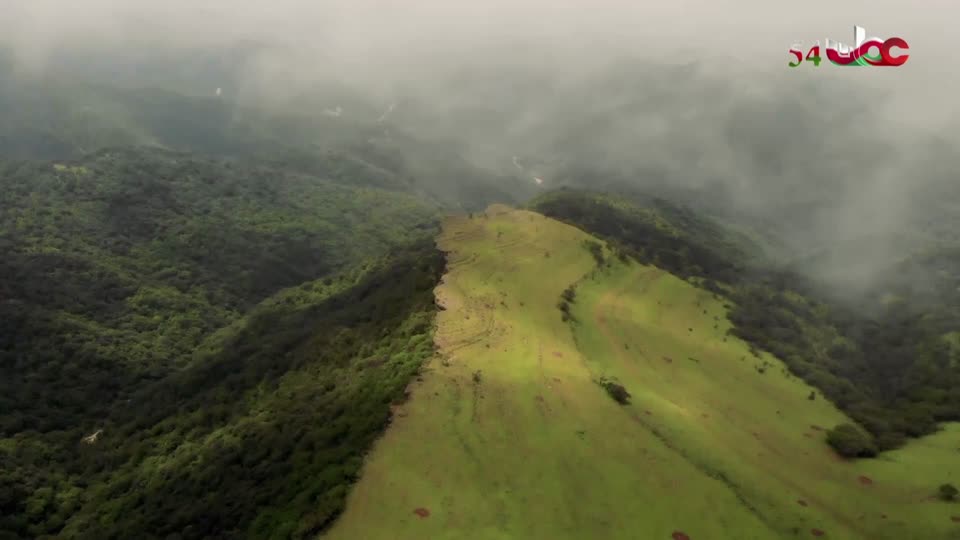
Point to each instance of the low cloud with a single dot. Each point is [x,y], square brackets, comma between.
[698,92]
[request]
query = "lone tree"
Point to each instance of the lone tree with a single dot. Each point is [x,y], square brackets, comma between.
[850,441]
[948,492]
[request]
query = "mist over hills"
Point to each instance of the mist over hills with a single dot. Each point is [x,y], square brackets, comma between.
[218,229]
[772,154]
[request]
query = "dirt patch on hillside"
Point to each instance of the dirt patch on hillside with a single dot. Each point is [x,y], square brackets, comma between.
[817,532]
[865,480]
[422,512]
[677,535]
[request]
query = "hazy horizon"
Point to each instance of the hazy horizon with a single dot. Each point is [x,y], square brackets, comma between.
[554,79]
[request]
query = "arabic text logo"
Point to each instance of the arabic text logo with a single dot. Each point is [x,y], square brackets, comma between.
[860,54]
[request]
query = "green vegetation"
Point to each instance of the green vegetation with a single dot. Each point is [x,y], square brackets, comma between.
[668,236]
[743,454]
[540,429]
[850,441]
[119,272]
[947,492]
[210,313]
[52,119]
[194,349]
[740,428]
[616,391]
[567,297]
[888,367]
[596,250]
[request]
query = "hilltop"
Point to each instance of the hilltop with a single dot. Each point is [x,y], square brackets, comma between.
[579,393]
[887,364]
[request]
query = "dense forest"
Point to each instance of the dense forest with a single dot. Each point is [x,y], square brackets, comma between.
[197,349]
[890,359]
[54,118]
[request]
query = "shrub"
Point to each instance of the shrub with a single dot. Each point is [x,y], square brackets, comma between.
[617,392]
[596,250]
[850,441]
[947,492]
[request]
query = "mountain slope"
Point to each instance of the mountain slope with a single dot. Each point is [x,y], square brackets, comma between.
[745,419]
[54,119]
[156,250]
[229,338]
[524,442]
[885,364]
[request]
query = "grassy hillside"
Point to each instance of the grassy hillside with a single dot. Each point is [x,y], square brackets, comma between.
[884,363]
[511,432]
[747,420]
[231,338]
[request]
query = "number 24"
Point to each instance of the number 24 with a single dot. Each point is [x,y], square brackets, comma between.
[813,55]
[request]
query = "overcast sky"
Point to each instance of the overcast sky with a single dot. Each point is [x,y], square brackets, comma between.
[379,33]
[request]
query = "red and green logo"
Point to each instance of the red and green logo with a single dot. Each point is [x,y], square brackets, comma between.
[860,54]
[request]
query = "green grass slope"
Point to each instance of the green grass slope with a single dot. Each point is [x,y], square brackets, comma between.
[745,419]
[509,435]
[883,362]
